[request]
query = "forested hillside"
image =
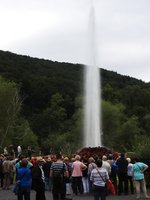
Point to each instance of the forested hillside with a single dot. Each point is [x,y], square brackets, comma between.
[51,94]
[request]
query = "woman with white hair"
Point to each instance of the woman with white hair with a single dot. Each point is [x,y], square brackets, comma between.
[77,168]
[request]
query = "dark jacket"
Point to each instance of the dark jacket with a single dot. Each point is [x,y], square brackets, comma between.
[37,181]
[122,164]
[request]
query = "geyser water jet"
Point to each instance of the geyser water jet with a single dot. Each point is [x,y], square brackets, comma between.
[92,118]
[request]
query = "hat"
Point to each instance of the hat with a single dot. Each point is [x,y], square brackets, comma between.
[40,159]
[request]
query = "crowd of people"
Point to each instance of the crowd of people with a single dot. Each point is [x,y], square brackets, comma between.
[77,175]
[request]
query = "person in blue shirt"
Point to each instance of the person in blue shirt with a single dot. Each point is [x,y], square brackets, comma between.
[138,169]
[24,176]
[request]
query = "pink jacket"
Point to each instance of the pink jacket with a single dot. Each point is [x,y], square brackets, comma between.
[77,167]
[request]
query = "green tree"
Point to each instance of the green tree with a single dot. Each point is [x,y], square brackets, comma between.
[109,93]
[55,114]
[22,134]
[141,146]
[51,120]
[146,124]
[129,131]
[112,118]
[68,140]
[10,105]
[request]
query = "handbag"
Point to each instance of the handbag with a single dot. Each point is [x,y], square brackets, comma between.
[109,185]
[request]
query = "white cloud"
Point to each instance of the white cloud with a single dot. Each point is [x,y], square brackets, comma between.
[58,30]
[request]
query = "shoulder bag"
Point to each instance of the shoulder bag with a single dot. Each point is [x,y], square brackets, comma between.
[108,183]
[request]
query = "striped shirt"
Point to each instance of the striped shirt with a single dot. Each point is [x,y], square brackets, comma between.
[97,179]
[58,168]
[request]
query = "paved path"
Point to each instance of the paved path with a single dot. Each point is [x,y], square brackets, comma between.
[9,195]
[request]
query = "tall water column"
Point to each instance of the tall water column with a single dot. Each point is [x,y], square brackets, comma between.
[92,114]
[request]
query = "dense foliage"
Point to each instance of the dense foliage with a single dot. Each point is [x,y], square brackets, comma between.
[51,95]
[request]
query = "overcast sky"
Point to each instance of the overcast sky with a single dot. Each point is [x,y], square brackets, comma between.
[58,30]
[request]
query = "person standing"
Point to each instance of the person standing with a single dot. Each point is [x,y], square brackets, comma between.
[91,166]
[77,168]
[105,164]
[7,169]
[46,169]
[24,175]
[113,177]
[99,176]
[138,169]
[68,179]
[122,165]
[129,173]
[85,177]
[58,172]
[38,179]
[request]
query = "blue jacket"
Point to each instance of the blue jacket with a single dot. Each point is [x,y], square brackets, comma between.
[24,175]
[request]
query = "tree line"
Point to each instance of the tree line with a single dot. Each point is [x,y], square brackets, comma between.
[42,106]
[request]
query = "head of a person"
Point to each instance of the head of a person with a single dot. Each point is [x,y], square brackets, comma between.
[21,157]
[77,157]
[66,159]
[104,158]
[91,159]
[122,155]
[110,157]
[58,156]
[99,162]
[129,160]
[48,159]
[24,162]
[40,161]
